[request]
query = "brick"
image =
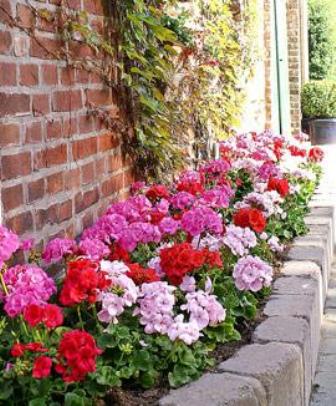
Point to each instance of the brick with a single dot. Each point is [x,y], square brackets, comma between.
[85,124]
[100,167]
[56,155]
[45,47]
[84,148]
[65,211]
[112,185]
[49,74]
[7,74]
[29,75]
[36,190]
[129,177]
[72,180]
[40,104]
[34,132]
[94,7]
[25,16]
[278,366]
[5,42]
[86,199]
[21,223]
[55,183]
[9,134]
[217,390]
[99,96]
[67,100]
[21,45]
[17,165]
[54,129]
[46,216]
[5,11]
[67,76]
[14,103]
[87,220]
[115,163]
[88,173]
[12,197]
[81,50]
[107,142]
[69,127]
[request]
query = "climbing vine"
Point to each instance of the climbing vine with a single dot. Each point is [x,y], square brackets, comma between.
[177,69]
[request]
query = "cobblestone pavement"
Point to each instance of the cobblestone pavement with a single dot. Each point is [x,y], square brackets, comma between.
[324,391]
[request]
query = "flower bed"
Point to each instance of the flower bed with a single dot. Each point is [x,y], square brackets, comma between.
[149,291]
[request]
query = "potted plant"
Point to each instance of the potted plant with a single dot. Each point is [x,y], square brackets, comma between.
[318,102]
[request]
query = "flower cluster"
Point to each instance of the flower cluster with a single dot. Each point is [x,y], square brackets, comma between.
[202,219]
[9,243]
[180,259]
[77,353]
[82,282]
[252,273]
[26,284]
[253,218]
[239,239]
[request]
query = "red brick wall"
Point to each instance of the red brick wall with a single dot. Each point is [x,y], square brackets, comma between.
[59,167]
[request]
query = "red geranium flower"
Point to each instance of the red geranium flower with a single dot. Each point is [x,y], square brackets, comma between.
[315,154]
[33,314]
[42,367]
[157,192]
[296,151]
[53,316]
[280,185]
[191,187]
[77,355]
[178,260]
[17,350]
[83,281]
[119,254]
[253,218]
[141,275]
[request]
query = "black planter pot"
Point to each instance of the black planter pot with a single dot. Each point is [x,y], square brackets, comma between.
[323,131]
[305,125]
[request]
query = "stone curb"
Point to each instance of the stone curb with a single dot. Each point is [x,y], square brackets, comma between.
[278,367]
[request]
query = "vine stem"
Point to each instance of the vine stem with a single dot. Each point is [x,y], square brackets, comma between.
[3,284]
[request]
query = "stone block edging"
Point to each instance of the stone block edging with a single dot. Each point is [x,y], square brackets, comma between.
[278,367]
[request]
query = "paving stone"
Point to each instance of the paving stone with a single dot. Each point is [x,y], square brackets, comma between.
[305,306]
[327,363]
[277,366]
[293,330]
[323,399]
[218,390]
[328,346]
[325,381]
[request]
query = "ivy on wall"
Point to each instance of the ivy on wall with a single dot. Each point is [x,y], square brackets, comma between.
[177,68]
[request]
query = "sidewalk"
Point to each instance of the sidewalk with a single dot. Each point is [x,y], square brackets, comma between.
[324,392]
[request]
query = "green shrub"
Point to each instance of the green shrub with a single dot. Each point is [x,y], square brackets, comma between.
[318,99]
[321,47]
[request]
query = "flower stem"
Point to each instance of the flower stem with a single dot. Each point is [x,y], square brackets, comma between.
[80,317]
[3,284]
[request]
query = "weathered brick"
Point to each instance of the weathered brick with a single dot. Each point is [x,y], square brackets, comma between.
[84,148]
[54,129]
[14,103]
[12,197]
[55,183]
[49,74]
[9,134]
[88,173]
[99,96]
[107,142]
[17,165]
[29,75]
[45,47]
[7,74]
[40,104]
[112,185]
[36,190]
[6,11]
[67,100]
[65,211]
[86,199]
[33,132]
[21,223]
[5,42]
[25,16]
[56,155]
